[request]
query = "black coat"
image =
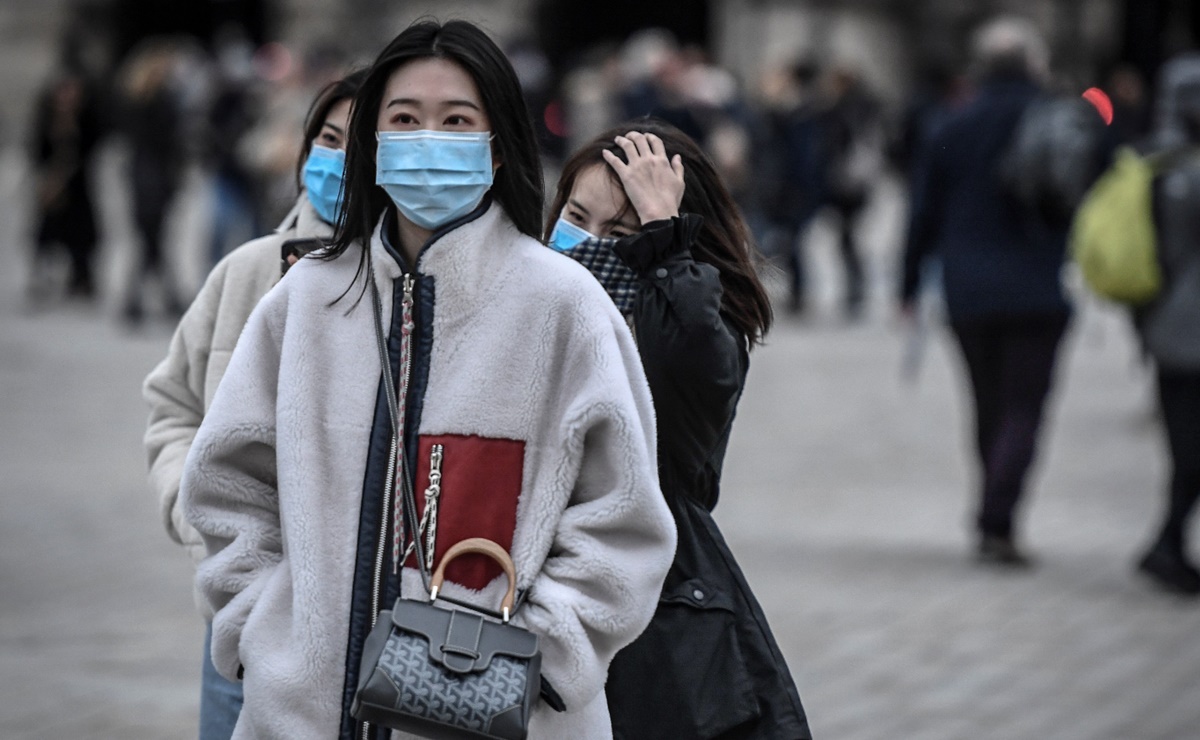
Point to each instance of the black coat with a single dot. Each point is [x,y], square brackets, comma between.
[707,666]
[997,260]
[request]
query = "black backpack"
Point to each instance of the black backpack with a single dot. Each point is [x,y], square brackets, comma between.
[1058,150]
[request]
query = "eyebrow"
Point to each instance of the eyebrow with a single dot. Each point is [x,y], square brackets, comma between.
[336,129]
[415,102]
[578,206]
[621,222]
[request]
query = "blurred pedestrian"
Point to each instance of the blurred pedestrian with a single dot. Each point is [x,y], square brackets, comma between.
[643,202]
[1130,102]
[151,123]
[1170,327]
[180,390]
[939,91]
[791,167]
[1001,269]
[852,135]
[500,358]
[658,82]
[68,125]
[231,113]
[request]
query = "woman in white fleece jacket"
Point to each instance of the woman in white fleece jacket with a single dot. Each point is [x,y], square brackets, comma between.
[509,360]
[180,389]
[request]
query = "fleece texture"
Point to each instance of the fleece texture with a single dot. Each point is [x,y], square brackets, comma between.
[180,389]
[526,346]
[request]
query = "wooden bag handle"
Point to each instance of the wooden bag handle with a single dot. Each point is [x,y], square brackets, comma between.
[479,546]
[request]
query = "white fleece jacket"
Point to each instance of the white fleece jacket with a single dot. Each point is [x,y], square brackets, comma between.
[526,346]
[180,389]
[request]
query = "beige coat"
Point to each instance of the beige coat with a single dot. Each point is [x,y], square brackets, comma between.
[180,389]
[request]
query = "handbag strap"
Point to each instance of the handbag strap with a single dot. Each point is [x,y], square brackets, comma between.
[512,600]
[407,499]
[480,546]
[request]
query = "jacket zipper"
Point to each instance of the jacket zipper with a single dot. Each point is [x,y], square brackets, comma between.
[406,328]
[392,506]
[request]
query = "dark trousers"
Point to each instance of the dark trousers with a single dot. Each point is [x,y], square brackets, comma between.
[1010,362]
[848,209]
[1179,397]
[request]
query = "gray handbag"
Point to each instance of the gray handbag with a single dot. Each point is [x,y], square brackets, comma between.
[449,673]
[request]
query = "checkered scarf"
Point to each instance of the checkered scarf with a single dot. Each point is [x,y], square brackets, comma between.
[597,255]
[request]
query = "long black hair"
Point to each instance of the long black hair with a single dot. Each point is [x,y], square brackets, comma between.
[724,240]
[518,185]
[327,97]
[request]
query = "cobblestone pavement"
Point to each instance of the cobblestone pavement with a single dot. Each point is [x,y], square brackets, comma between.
[846,499]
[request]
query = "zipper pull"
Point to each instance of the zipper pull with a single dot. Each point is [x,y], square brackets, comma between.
[408,284]
[432,495]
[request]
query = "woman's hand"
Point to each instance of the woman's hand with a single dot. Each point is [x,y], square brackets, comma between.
[653,184]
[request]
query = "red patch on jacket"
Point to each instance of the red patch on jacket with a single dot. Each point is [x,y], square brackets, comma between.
[481,483]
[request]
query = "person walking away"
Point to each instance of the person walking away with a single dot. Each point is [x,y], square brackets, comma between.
[1170,328]
[152,127]
[1000,271]
[853,138]
[646,199]
[792,175]
[67,127]
[180,389]
[519,404]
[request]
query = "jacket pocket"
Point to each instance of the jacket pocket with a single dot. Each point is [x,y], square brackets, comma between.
[473,484]
[685,676]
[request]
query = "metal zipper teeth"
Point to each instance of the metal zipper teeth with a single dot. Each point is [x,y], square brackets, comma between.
[395,450]
[381,548]
[407,326]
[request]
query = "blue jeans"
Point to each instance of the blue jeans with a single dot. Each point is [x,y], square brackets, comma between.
[220,698]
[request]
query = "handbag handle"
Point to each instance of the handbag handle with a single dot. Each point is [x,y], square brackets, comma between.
[479,546]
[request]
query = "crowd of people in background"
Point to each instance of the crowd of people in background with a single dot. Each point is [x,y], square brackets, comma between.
[809,137]
[178,111]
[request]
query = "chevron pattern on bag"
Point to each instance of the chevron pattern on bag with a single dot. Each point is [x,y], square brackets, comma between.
[468,700]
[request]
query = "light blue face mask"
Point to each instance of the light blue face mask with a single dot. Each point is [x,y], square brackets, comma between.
[567,235]
[323,173]
[598,255]
[434,177]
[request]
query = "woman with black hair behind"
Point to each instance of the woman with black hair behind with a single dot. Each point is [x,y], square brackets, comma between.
[520,414]
[644,208]
[180,390]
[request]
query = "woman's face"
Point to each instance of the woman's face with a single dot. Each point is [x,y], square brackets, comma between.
[598,205]
[333,131]
[431,94]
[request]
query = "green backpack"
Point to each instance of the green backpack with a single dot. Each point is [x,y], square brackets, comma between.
[1113,238]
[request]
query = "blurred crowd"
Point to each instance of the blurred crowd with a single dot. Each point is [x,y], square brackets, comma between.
[809,137]
[229,112]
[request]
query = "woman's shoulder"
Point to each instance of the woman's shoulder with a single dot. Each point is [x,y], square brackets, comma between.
[561,278]
[257,256]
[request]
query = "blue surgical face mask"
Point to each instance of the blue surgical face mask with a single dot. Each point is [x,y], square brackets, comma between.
[434,177]
[567,235]
[599,256]
[323,181]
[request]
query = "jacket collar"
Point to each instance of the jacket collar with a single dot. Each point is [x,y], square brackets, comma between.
[461,230]
[476,227]
[303,220]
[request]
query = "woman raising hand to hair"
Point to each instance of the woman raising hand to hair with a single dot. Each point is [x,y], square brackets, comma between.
[645,210]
